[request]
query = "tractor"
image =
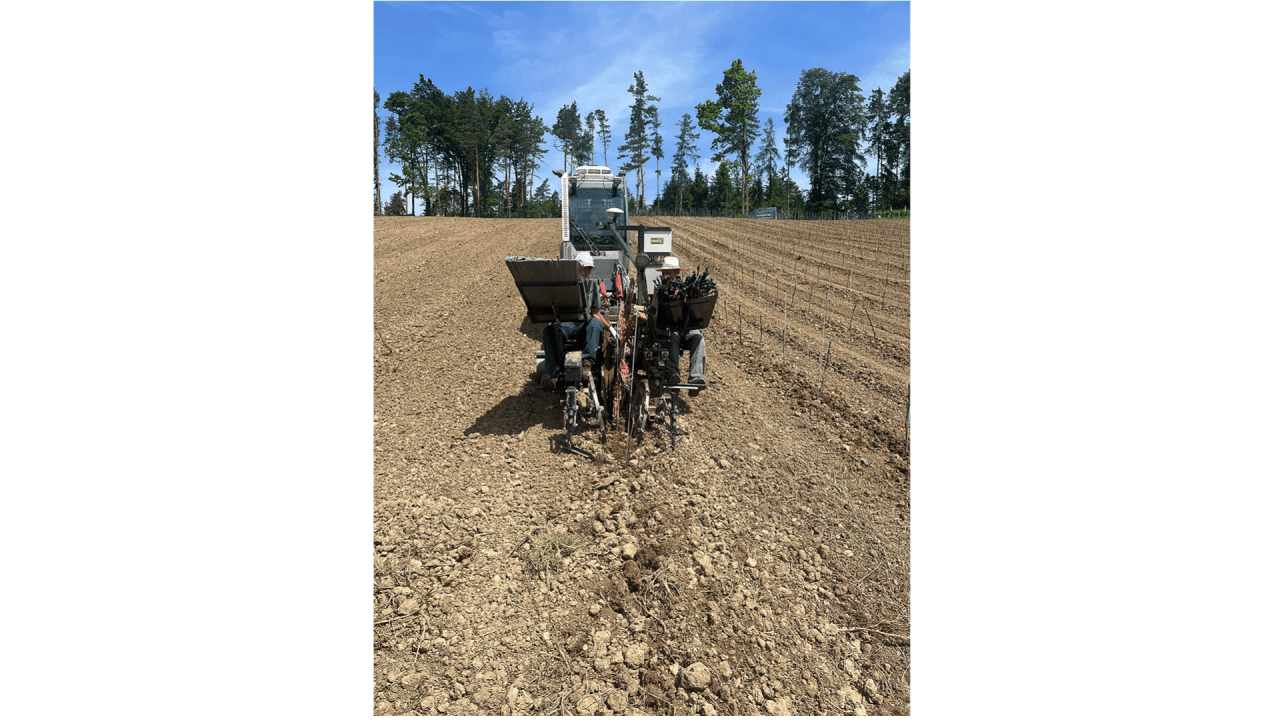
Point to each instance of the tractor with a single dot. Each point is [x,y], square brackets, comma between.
[630,391]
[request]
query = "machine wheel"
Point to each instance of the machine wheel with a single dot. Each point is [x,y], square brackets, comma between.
[643,406]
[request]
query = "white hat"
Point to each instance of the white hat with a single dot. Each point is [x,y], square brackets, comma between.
[671,262]
[584,259]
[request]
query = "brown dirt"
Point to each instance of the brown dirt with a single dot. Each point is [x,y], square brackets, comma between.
[772,546]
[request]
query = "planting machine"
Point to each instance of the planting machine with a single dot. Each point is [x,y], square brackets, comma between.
[629,391]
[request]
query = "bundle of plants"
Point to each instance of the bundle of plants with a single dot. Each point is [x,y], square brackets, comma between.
[692,287]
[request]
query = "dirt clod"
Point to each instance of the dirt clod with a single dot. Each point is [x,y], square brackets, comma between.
[695,677]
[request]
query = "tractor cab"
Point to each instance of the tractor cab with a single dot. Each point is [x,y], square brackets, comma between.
[587,195]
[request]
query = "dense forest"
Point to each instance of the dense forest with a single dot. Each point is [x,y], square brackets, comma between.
[469,154]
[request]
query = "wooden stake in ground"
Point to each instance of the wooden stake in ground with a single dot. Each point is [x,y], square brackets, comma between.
[849,291]
[824,372]
[873,327]
[809,306]
[761,341]
[877,253]
[825,304]
[885,292]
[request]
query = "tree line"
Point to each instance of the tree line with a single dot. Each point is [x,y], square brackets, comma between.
[471,154]
[467,154]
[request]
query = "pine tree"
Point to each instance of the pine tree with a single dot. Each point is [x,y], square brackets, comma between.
[568,130]
[657,159]
[396,205]
[878,137]
[686,147]
[767,158]
[699,190]
[589,136]
[503,140]
[900,106]
[732,117]
[602,127]
[644,116]
[377,181]
[791,148]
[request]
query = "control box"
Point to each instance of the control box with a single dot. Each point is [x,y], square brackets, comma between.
[657,242]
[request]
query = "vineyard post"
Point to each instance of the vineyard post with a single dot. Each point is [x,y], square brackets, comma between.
[885,292]
[877,253]
[761,340]
[862,284]
[809,305]
[784,328]
[813,242]
[824,372]
[849,289]
[825,304]
[739,320]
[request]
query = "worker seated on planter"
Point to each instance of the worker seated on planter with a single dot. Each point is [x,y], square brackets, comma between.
[593,328]
[690,340]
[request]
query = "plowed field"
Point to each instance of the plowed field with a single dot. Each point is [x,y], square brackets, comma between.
[762,567]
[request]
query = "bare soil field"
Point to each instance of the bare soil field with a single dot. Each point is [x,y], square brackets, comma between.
[762,567]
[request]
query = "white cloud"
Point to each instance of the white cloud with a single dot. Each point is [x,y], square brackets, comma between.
[885,73]
[590,55]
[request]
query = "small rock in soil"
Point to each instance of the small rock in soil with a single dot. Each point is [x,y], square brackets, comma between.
[781,706]
[704,562]
[589,705]
[695,677]
[636,654]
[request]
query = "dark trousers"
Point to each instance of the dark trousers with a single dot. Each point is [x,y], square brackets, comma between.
[568,331]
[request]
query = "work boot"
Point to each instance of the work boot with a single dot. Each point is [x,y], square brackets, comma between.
[700,383]
[588,367]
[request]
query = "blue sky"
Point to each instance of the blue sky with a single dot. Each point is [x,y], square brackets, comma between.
[552,54]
